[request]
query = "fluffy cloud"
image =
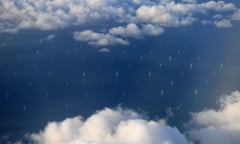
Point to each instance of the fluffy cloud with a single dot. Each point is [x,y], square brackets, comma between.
[223,23]
[217,6]
[55,14]
[124,19]
[104,50]
[218,126]
[124,126]
[109,126]
[152,30]
[163,14]
[131,30]
[179,14]
[115,35]
[98,39]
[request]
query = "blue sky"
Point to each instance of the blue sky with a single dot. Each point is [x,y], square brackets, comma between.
[131,71]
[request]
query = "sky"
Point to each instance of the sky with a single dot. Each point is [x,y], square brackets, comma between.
[119,72]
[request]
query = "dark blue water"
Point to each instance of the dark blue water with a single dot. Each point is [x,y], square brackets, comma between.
[185,69]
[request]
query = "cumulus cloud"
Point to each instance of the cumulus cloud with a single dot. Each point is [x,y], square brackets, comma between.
[124,126]
[223,23]
[217,6]
[104,50]
[125,18]
[131,30]
[164,15]
[218,16]
[56,14]
[179,14]
[218,126]
[109,126]
[115,35]
[152,30]
[48,38]
[53,14]
[98,39]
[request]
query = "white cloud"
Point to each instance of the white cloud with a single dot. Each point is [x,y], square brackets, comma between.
[218,126]
[54,14]
[109,126]
[236,15]
[217,6]
[104,50]
[98,39]
[115,35]
[152,30]
[125,18]
[51,37]
[124,126]
[154,14]
[57,14]
[48,38]
[131,30]
[168,14]
[218,16]
[223,23]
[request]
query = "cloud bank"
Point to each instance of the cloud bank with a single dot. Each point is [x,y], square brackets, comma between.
[109,126]
[124,126]
[120,19]
[218,126]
